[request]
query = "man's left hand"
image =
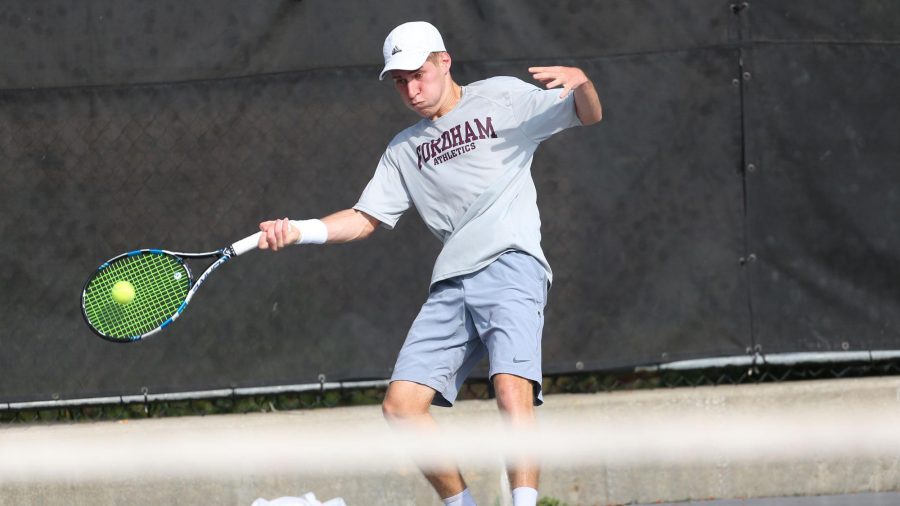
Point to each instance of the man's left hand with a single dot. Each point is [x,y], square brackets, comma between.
[567,77]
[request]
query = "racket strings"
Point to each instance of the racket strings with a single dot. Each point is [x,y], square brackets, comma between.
[161,283]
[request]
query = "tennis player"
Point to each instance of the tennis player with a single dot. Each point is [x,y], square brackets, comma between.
[466,167]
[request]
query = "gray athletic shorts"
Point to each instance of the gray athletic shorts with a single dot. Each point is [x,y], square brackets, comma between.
[498,311]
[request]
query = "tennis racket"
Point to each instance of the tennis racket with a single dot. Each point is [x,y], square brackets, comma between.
[139,293]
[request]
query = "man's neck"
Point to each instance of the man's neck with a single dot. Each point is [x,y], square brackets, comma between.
[451,98]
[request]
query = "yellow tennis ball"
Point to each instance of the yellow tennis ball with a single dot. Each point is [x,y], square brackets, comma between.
[122,292]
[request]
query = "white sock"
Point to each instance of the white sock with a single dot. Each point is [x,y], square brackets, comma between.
[525,496]
[463,498]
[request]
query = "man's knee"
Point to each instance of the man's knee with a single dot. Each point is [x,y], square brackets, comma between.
[405,400]
[515,394]
[394,409]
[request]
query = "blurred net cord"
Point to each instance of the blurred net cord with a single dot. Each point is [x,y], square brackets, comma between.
[365,444]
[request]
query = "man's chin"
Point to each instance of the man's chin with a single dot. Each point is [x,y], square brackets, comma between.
[421,111]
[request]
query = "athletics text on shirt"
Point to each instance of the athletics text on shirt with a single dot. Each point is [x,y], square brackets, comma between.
[455,141]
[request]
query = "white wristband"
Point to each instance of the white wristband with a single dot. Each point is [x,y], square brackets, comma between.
[311,231]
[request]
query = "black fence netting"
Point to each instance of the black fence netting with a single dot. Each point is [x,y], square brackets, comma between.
[739,194]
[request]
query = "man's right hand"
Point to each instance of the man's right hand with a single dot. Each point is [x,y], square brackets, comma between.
[277,234]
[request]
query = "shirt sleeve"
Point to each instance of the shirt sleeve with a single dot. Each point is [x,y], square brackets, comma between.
[385,198]
[541,113]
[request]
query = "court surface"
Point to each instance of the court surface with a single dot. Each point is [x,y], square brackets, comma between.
[869,499]
[637,444]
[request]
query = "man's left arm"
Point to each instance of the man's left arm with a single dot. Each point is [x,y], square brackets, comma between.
[573,79]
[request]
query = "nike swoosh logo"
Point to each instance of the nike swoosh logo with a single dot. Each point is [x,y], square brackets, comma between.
[517,361]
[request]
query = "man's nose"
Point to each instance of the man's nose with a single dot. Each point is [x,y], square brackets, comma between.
[412,89]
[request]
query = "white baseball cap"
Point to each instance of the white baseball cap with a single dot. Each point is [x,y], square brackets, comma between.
[408,46]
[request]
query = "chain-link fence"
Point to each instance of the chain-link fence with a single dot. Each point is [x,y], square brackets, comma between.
[357,395]
[717,208]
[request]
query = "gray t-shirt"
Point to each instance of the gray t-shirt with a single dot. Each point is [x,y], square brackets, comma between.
[468,173]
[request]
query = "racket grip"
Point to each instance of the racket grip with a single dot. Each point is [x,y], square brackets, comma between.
[246,244]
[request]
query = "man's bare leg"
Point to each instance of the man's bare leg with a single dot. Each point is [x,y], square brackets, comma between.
[405,407]
[515,398]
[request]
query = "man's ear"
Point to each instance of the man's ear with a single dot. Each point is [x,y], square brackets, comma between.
[446,61]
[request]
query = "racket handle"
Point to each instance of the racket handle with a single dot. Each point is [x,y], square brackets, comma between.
[246,244]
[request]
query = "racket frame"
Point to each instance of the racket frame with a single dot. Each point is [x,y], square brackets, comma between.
[223,255]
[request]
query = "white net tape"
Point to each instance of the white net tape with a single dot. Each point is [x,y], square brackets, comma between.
[289,443]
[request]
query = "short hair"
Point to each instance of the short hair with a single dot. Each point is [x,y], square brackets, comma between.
[435,57]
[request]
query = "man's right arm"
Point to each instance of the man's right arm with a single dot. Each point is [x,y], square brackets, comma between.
[343,226]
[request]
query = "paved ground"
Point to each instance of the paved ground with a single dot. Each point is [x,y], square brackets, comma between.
[871,499]
[621,462]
